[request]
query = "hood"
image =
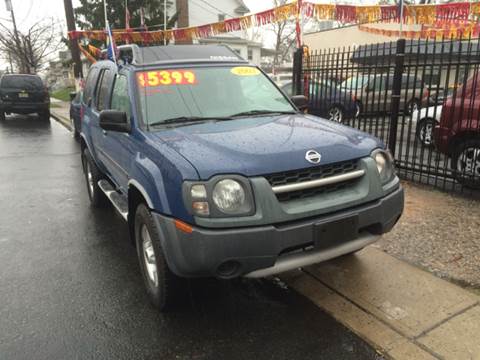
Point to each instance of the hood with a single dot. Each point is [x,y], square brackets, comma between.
[264,145]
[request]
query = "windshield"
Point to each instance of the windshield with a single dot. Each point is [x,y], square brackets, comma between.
[355,82]
[22,82]
[207,92]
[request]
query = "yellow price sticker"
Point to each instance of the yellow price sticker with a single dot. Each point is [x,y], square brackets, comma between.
[245,71]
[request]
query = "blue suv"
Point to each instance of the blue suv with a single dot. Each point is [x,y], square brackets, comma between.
[218,173]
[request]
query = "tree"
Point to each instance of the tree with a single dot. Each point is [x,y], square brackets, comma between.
[90,13]
[30,50]
[285,36]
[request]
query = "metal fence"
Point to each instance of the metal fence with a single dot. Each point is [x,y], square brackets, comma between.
[420,97]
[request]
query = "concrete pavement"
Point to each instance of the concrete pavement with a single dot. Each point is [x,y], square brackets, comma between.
[401,310]
[60,111]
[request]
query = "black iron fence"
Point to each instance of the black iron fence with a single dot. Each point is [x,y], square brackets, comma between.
[421,97]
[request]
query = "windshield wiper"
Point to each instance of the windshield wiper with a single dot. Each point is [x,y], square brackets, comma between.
[262,112]
[188,119]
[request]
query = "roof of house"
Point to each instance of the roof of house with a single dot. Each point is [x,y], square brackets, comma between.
[242,8]
[415,49]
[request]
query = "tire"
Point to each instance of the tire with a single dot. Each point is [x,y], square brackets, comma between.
[92,176]
[162,285]
[466,163]
[335,114]
[412,106]
[424,132]
[359,107]
[2,116]
[44,115]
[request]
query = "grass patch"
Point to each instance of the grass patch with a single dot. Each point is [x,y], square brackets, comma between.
[63,94]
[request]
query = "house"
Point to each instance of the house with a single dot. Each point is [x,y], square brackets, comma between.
[200,12]
[245,48]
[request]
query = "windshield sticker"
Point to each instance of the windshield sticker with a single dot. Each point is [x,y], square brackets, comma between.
[166,77]
[245,71]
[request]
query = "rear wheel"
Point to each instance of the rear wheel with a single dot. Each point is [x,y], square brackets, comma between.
[2,116]
[92,176]
[44,115]
[163,286]
[466,163]
[335,113]
[424,133]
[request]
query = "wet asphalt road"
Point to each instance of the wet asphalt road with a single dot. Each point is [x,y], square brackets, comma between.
[70,286]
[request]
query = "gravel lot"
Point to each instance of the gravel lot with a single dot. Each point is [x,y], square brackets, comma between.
[439,232]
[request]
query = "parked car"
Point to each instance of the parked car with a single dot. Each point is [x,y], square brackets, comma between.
[281,79]
[218,173]
[23,94]
[426,119]
[458,134]
[76,113]
[326,100]
[373,93]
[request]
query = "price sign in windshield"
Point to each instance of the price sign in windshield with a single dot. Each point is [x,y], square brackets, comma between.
[166,77]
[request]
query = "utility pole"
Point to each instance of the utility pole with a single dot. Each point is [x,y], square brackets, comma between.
[77,63]
[8,4]
[164,21]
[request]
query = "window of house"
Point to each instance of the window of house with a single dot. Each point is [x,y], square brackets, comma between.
[221,17]
[250,54]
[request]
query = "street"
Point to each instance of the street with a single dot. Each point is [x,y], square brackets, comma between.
[70,285]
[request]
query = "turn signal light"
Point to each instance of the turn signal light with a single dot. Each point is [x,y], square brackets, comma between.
[180,225]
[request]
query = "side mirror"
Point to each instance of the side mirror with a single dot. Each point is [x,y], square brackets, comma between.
[114,120]
[72,95]
[300,102]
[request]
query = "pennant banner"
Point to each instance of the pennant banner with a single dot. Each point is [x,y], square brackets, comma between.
[438,14]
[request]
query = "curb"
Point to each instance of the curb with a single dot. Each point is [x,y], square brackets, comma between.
[62,120]
[404,313]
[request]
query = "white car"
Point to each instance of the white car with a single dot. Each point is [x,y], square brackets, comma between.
[427,119]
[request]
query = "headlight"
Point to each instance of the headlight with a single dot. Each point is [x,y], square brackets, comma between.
[228,195]
[221,196]
[385,166]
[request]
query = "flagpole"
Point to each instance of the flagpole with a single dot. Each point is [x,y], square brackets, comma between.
[105,13]
[401,17]
[164,21]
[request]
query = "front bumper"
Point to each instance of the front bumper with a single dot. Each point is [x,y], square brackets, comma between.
[266,250]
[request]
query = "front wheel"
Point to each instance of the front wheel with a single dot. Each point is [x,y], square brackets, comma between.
[161,283]
[92,176]
[466,163]
[424,133]
[335,113]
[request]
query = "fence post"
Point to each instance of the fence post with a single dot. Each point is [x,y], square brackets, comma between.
[297,72]
[396,90]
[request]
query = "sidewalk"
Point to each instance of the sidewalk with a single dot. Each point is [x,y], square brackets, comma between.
[60,111]
[404,312]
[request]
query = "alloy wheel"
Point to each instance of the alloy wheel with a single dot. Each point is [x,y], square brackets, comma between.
[335,114]
[468,162]
[149,256]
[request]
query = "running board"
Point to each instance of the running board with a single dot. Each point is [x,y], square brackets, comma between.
[305,258]
[119,202]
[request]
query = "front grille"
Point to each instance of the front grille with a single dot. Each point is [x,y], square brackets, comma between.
[315,173]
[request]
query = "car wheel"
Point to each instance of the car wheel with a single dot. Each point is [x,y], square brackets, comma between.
[335,113]
[412,106]
[358,108]
[163,286]
[2,116]
[424,133]
[466,163]
[44,115]
[92,176]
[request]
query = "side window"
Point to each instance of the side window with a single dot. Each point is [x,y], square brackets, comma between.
[90,85]
[102,91]
[120,98]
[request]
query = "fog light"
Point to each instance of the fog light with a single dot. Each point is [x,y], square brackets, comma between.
[201,208]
